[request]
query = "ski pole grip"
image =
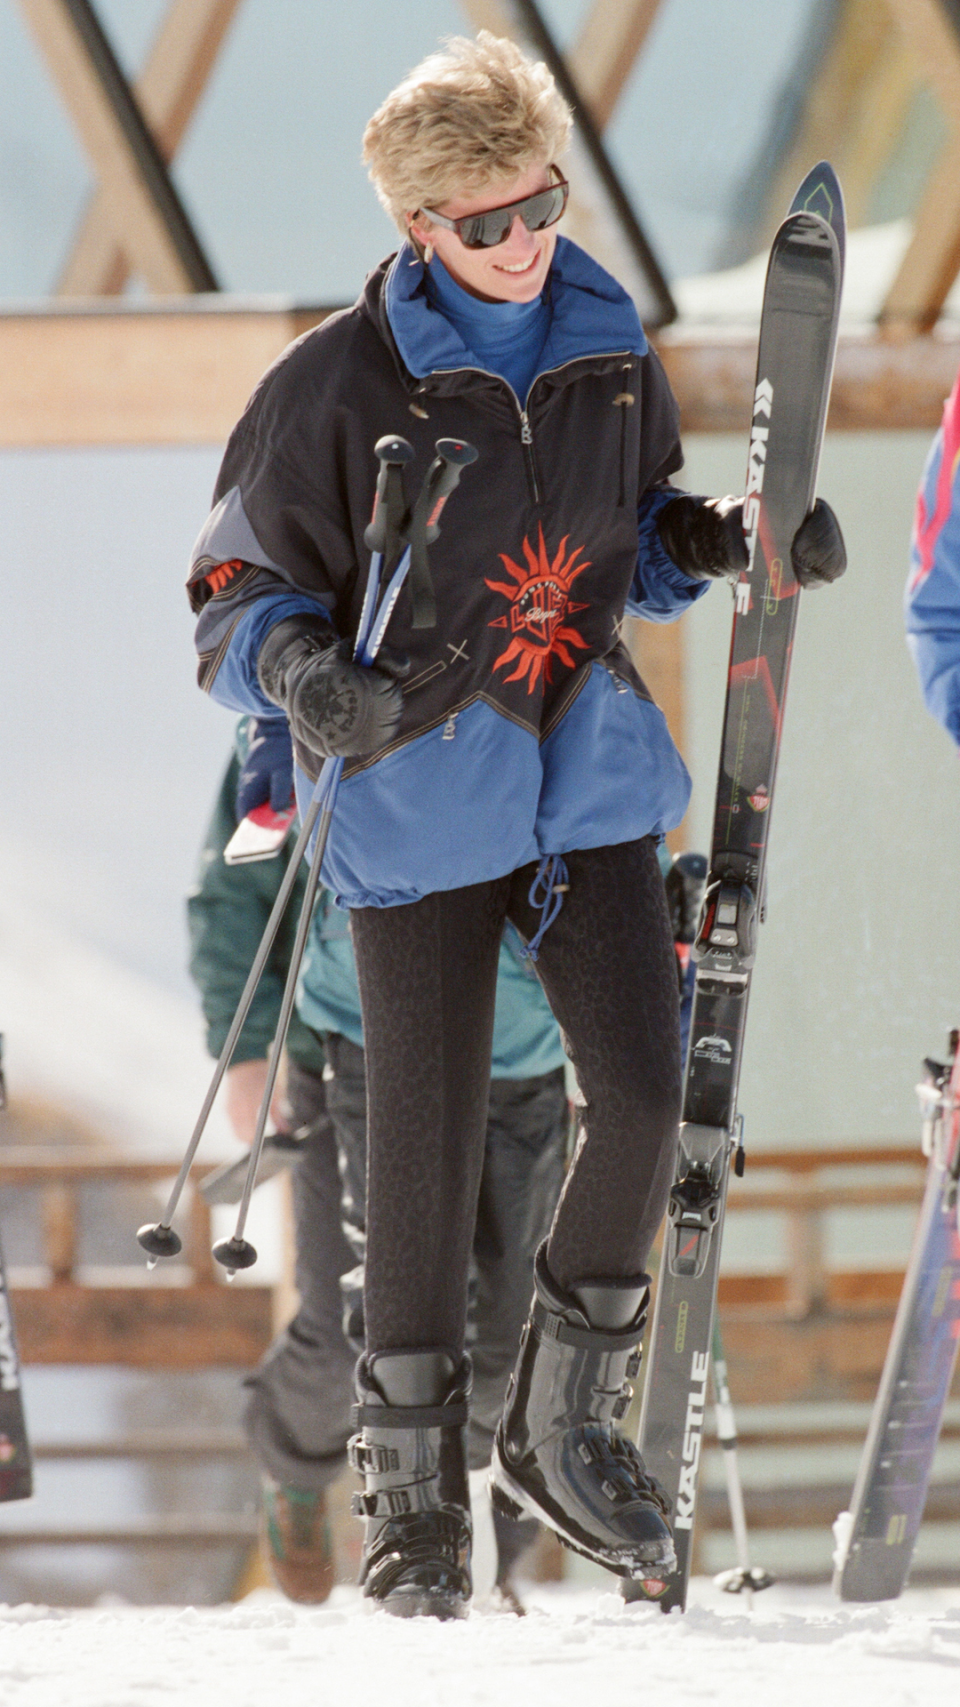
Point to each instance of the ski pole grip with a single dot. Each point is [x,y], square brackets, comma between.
[453,456]
[388,504]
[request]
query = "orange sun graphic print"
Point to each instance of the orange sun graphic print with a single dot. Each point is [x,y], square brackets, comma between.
[539,602]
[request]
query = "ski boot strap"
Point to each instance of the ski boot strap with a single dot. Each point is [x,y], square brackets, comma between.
[552,1326]
[376,1417]
[396,1502]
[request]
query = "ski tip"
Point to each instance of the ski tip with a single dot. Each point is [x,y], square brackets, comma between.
[820,193]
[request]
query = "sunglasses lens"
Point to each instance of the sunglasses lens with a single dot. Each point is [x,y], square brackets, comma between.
[486,230]
[540,211]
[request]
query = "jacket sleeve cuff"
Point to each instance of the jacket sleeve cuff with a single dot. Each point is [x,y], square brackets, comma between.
[234,683]
[660,591]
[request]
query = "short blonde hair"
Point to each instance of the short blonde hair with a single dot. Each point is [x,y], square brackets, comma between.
[471,115]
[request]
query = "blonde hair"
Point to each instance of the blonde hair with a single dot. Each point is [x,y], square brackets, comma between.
[474,114]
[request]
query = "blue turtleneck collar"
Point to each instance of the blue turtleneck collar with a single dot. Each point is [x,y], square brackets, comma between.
[587,313]
[504,337]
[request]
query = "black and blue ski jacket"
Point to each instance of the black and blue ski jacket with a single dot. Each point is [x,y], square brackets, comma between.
[526,731]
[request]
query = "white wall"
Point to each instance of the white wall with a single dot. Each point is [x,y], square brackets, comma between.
[858,972]
[109,758]
[108,751]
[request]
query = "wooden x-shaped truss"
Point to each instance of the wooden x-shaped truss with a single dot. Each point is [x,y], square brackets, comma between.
[123,230]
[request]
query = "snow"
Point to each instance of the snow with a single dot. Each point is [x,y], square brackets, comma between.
[797,1647]
[95,1036]
[730,300]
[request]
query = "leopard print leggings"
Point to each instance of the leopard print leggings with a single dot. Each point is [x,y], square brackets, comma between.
[428,974]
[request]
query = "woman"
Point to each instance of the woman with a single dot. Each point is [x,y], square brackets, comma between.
[505,765]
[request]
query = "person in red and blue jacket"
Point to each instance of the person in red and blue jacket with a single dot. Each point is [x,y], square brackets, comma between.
[507,763]
[933,587]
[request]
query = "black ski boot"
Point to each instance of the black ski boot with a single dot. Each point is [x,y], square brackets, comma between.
[557,1455]
[410,1451]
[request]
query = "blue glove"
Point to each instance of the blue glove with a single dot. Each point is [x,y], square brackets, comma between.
[267,771]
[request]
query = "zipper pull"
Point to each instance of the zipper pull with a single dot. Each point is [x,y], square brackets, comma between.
[450,727]
[526,436]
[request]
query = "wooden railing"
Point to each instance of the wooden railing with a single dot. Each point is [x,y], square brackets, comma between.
[795,1338]
[179,1316]
[805,1285]
[812,1332]
[183,1316]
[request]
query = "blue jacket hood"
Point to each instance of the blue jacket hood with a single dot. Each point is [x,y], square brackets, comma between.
[592,316]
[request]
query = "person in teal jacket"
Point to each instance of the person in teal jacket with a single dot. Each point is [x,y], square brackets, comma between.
[297,1416]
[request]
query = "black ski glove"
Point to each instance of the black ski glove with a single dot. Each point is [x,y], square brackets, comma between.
[334,706]
[704,537]
[818,553]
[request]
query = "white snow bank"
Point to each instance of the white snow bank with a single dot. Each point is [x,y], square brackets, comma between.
[574,1647]
[87,1034]
[732,298]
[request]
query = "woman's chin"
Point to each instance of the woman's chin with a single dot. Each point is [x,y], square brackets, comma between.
[519,287]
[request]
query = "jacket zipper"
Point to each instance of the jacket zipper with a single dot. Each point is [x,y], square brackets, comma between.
[526,439]
[526,431]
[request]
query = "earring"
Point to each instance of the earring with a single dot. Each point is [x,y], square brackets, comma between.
[428,254]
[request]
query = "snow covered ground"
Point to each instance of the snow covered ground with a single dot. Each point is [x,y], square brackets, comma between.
[732,298]
[798,1647]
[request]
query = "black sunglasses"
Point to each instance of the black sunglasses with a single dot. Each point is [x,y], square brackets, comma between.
[486,230]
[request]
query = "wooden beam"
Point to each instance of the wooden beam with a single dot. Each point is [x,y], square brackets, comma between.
[606,50]
[168,91]
[125,377]
[490,15]
[117,375]
[813,1506]
[876,385]
[931,263]
[147,237]
[151,1326]
[927,31]
[877,123]
[853,112]
[160,1529]
[820,1357]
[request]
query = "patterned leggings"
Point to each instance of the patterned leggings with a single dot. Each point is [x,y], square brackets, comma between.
[427,974]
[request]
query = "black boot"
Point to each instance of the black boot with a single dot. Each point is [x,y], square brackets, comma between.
[410,1451]
[557,1455]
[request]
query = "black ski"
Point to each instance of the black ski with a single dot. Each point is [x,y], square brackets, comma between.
[876,1538]
[798,332]
[16,1469]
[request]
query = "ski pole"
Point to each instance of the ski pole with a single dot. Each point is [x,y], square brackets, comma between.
[388,528]
[158,1238]
[237,1252]
[745,1578]
[441,478]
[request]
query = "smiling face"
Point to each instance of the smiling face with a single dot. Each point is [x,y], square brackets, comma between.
[514,270]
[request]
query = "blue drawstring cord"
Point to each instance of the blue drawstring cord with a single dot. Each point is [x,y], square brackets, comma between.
[546,892]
